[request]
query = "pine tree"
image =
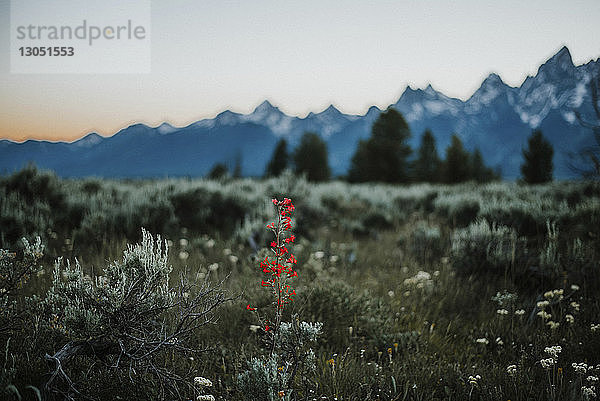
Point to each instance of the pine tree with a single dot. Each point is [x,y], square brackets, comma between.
[279,160]
[383,157]
[427,165]
[310,158]
[479,171]
[537,164]
[456,166]
[218,171]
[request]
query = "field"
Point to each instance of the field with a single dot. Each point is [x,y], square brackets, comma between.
[420,292]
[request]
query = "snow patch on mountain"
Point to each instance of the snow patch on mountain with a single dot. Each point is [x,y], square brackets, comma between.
[88,141]
[578,94]
[268,115]
[165,128]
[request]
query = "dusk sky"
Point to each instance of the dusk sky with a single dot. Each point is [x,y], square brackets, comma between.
[209,56]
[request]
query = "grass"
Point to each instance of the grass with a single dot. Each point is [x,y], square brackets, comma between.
[402,319]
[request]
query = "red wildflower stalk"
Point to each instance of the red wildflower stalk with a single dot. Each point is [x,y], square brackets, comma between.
[279,268]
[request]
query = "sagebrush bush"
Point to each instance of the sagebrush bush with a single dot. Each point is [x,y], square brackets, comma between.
[129,317]
[485,247]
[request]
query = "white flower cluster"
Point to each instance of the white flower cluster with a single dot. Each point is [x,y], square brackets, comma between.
[554,294]
[580,368]
[595,327]
[474,380]
[547,363]
[511,370]
[502,312]
[483,341]
[504,298]
[520,312]
[542,304]
[553,352]
[205,397]
[588,392]
[202,382]
[544,315]
[420,280]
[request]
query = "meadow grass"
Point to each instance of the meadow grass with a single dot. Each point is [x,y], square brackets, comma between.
[418,297]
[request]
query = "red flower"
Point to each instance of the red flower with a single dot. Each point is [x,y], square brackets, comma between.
[248,307]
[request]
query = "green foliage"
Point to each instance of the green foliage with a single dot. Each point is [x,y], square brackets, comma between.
[478,170]
[15,272]
[408,310]
[310,158]
[278,375]
[218,172]
[427,167]
[383,157]
[537,159]
[279,160]
[484,247]
[456,165]
[130,316]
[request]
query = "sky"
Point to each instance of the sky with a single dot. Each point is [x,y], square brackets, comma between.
[208,56]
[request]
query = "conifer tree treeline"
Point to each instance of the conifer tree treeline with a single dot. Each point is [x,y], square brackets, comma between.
[385,157]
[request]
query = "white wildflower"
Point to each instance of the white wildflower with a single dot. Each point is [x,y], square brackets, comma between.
[205,397]
[520,312]
[544,315]
[202,381]
[547,363]
[226,251]
[553,351]
[502,312]
[233,259]
[543,304]
[574,287]
[592,379]
[213,267]
[553,325]
[570,319]
[595,327]
[580,368]
[254,328]
[210,243]
[474,380]
[183,255]
[183,242]
[588,392]
[319,255]
[499,341]
[483,341]
[511,370]
[575,306]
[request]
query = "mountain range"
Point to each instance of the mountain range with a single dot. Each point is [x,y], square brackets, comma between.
[497,119]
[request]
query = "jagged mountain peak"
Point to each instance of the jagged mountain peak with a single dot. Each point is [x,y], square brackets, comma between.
[560,62]
[265,107]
